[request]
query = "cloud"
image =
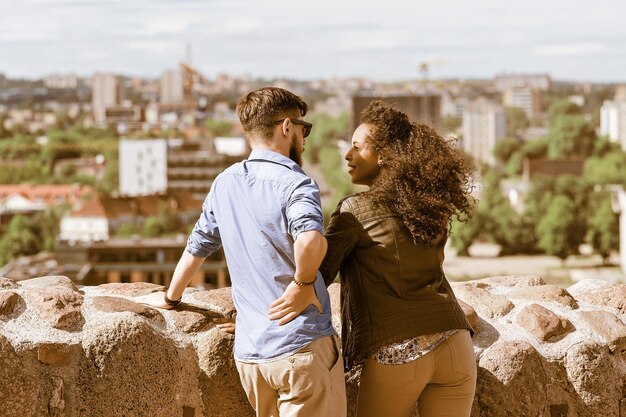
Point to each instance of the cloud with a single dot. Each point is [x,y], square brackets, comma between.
[570,49]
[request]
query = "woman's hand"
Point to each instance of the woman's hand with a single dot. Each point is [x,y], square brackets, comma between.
[294,301]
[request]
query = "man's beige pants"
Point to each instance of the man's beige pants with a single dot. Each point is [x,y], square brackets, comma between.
[309,383]
[442,383]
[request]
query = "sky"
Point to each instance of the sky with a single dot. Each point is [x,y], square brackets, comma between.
[382,40]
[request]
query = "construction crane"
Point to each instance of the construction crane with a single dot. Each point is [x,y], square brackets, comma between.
[424,67]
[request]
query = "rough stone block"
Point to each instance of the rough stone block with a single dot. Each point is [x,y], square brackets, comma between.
[50,281]
[118,305]
[485,303]
[471,315]
[612,295]
[133,289]
[7,283]
[542,323]
[546,293]
[19,389]
[57,353]
[222,392]
[608,326]
[219,300]
[59,306]
[8,301]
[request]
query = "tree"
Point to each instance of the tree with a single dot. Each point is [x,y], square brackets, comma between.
[563,107]
[464,233]
[19,239]
[608,169]
[603,231]
[559,231]
[571,136]
[219,127]
[505,148]
[516,121]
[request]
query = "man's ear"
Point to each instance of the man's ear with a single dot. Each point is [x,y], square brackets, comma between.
[286,126]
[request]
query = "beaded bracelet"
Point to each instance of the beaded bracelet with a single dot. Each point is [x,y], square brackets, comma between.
[169,302]
[302,284]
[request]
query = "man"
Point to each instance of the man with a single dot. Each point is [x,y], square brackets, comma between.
[266,213]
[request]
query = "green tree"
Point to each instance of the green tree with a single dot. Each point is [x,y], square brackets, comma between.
[562,107]
[464,233]
[559,231]
[608,169]
[505,148]
[603,231]
[571,136]
[516,121]
[19,239]
[219,127]
[325,134]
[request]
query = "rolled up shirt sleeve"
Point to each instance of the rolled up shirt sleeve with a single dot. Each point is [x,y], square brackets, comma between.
[205,237]
[304,209]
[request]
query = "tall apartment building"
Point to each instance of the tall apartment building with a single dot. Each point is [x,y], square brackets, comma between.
[143,167]
[525,98]
[613,121]
[484,123]
[108,91]
[419,108]
[524,91]
[172,87]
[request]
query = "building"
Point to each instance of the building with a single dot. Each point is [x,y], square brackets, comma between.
[61,81]
[541,82]
[108,90]
[29,199]
[613,121]
[143,167]
[101,216]
[173,88]
[169,166]
[419,108]
[484,123]
[525,98]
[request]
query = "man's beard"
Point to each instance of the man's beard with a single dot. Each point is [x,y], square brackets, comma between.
[294,153]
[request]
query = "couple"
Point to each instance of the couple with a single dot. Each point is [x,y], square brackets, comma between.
[400,318]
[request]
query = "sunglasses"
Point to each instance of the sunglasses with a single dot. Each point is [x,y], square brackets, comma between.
[306,126]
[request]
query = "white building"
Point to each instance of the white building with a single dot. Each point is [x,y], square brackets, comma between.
[61,81]
[613,121]
[172,87]
[143,167]
[525,98]
[107,91]
[78,228]
[540,82]
[484,123]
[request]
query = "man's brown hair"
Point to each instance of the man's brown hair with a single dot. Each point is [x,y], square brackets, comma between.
[260,109]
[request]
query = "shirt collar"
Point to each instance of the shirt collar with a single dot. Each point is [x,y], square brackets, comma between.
[275,157]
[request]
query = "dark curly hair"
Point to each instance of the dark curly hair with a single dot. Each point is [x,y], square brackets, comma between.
[425,179]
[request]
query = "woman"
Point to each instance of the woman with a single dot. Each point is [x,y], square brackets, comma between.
[400,318]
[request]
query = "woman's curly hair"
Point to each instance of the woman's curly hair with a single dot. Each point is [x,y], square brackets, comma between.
[424,179]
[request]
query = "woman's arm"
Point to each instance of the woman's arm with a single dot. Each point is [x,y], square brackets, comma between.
[341,235]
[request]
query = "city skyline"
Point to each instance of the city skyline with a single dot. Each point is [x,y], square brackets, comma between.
[276,39]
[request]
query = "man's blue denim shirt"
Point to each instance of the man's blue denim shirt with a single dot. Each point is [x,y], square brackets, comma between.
[256,209]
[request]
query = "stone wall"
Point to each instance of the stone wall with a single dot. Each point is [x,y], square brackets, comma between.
[93,351]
